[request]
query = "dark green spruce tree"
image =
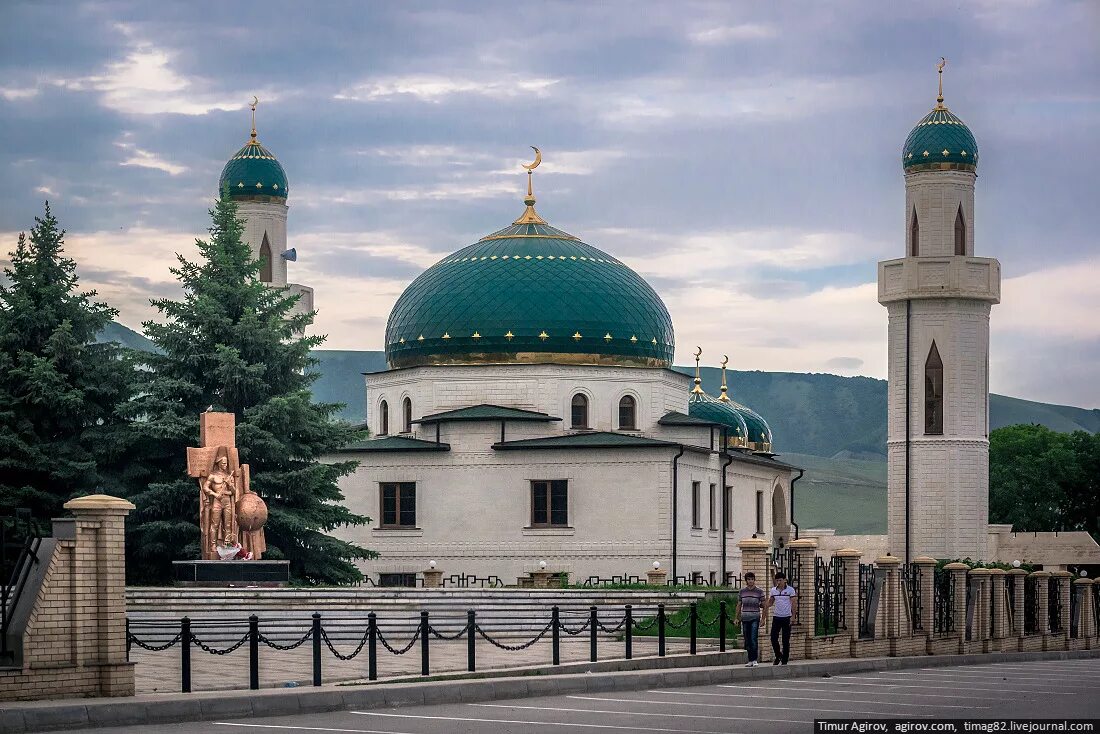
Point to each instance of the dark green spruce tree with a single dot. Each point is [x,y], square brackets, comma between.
[236,344]
[60,391]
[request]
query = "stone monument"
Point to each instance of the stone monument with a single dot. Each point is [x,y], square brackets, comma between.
[231,515]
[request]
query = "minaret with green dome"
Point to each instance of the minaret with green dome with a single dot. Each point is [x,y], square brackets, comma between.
[255,180]
[938,297]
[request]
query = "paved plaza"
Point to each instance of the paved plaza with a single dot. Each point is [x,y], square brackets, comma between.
[1041,689]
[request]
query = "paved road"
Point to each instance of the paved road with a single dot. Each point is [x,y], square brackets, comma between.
[1046,689]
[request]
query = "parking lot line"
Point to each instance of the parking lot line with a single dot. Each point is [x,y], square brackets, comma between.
[639,713]
[537,723]
[981,676]
[1056,672]
[941,681]
[864,693]
[722,705]
[805,698]
[310,728]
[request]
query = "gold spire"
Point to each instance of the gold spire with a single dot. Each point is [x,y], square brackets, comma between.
[698,389]
[530,216]
[255,101]
[939,99]
[724,397]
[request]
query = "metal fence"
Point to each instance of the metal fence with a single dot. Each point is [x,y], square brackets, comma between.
[1074,610]
[1054,604]
[787,562]
[828,596]
[911,586]
[867,598]
[1010,603]
[346,638]
[1031,606]
[20,540]
[943,602]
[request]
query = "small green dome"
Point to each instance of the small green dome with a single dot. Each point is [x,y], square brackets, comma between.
[529,293]
[704,407]
[254,173]
[940,141]
[759,433]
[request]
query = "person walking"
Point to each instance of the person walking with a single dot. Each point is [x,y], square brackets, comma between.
[783,600]
[750,600]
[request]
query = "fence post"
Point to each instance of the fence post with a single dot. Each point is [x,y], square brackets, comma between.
[1042,589]
[424,635]
[1085,613]
[592,628]
[628,626]
[1065,580]
[372,646]
[253,652]
[471,625]
[1018,579]
[722,626]
[316,648]
[185,654]
[555,640]
[661,630]
[694,627]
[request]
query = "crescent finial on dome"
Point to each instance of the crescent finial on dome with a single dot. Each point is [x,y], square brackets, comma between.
[939,67]
[530,216]
[724,397]
[698,389]
[255,101]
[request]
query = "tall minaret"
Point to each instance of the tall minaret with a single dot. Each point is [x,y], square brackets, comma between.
[938,298]
[256,181]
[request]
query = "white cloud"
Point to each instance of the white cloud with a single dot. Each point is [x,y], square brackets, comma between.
[434,88]
[46,190]
[718,35]
[145,84]
[14,94]
[146,159]
[1062,302]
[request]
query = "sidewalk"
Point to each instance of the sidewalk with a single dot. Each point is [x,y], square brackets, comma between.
[678,671]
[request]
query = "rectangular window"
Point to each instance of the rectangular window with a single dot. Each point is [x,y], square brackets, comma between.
[550,503]
[727,507]
[713,508]
[399,505]
[695,505]
[760,512]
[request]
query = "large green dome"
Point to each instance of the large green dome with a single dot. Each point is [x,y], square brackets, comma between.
[940,141]
[529,293]
[254,173]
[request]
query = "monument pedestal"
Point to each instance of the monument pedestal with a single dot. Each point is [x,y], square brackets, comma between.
[231,573]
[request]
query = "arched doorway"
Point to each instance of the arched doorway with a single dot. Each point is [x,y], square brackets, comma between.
[781,518]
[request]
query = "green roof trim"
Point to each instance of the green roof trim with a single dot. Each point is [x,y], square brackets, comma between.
[940,142]
[529,293]
[676,418]
[396,443]
[486,412]
[587,440]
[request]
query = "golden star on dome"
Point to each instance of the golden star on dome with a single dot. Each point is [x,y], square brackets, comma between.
[401,340]
[543,335]
[420,338]
[577,336]
[259,185]
[446,335]
[509,336]
[476,335]
[633,339]
[944,151]
[925,154]
[607,337]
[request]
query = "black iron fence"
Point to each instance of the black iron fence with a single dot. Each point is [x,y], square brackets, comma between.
[828,596]
[943,602]
[1054,604]
[1031,606]
[1074,609]
[787,562]
[346,638]
[911,586]
[867,597]
[1010,603]
[20,540]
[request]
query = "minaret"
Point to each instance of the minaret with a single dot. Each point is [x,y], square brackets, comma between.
[256,181]
[938,298]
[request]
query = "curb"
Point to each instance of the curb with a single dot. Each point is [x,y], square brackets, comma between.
[181,707]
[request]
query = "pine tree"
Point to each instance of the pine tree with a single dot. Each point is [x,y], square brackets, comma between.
[235,344]
[60,391]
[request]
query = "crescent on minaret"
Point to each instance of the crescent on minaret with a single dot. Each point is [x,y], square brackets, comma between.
[538,160]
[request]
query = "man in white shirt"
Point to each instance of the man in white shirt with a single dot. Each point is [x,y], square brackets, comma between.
[783,600]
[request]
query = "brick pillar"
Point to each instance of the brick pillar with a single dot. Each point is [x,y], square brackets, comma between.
[849,559]
[979,630]
[959,573]
[997,599]
[927,568]
[806,551]
[1018,575]
[1042,586]
[433,579]
[1065,578]
[100,581]
[656,577]
[890,598]
[754,558]
[1087,629]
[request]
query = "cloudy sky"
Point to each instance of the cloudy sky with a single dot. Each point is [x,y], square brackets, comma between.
[742,157]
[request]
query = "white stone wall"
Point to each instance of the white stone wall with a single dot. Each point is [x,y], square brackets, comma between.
[936,196]
[267,217]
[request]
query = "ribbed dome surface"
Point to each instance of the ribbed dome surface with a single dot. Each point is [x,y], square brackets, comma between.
[253,172]
[940,141]
[529,293]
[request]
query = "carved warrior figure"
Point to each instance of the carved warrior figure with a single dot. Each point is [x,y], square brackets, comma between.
[231,516]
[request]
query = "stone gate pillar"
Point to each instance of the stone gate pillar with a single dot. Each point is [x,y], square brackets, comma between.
[980,632]
[100,581]
[1019,576]
[754,557]
[891,596]
[1087,628]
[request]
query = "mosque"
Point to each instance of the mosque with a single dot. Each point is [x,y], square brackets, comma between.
[529,417]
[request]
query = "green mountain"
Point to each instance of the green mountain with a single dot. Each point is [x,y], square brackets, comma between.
[832,426]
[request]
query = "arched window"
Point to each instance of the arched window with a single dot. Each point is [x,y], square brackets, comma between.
[265,260]
[960,233]
[933,392]
[579,413]
[407,416]
[383,418]
[914,235]
[627,413]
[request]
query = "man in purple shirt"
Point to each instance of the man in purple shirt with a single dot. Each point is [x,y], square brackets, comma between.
[749,601]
